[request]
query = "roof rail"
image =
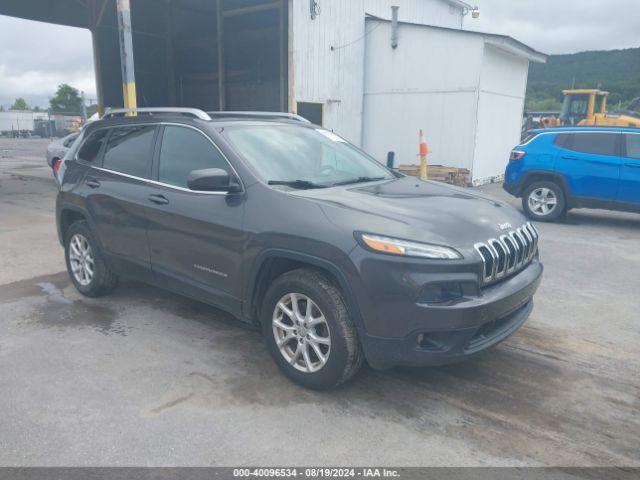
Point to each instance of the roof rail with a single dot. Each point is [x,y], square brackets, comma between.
[194,112]
[284,115]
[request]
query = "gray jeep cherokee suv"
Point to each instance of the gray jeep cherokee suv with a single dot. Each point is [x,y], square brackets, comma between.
[287,226]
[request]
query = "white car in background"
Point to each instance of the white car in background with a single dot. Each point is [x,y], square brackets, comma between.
[59,148]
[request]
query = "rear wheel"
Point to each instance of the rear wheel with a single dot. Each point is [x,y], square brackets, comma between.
[85,264]
[309,332]
[544,201]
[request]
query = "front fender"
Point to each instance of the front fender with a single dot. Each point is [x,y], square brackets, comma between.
[343,274]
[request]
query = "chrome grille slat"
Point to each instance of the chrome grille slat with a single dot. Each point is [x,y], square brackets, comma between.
[494,254]
[508,253]
[511,253]
[525,249]
[527,243]
[501,261]
[518,249]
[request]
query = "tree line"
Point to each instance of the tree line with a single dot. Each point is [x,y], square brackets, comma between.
[66,100]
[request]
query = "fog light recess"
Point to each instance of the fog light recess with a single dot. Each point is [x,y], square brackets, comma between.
[437,293]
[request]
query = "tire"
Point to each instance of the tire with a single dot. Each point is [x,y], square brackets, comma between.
[537,198]
[342,357]
[102,281]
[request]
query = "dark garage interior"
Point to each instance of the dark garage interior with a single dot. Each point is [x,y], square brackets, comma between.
[209,54]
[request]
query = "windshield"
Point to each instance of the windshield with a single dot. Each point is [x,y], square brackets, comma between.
[304,157]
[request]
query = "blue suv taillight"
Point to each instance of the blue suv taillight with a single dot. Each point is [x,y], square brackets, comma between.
[516,155]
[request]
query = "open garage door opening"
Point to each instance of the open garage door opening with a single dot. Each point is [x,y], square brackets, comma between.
[228,55]
[214,55]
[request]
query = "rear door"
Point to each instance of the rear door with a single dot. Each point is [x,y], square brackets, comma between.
[591,164]
[118,191]
[196,238]
[630,173]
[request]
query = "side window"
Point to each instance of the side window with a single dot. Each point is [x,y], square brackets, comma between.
[595,143]
[91,148]
[561,140]
[129,150]
[184,150]
[633,145]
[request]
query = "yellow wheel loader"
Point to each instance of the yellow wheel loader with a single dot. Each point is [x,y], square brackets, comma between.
[588,107]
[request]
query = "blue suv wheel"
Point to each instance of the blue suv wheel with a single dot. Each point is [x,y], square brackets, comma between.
[544,201]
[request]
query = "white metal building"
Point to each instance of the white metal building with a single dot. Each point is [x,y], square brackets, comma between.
[465,89]
[329,60]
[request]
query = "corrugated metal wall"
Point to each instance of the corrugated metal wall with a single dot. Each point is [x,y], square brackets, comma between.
[465,93]
[429,82]
[503,83]
[328,52]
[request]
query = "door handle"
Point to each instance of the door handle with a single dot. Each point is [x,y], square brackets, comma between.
[159,199]
[569,157]
[92,183]
[633,165]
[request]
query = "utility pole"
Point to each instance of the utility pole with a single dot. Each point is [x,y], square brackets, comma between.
[126,55]
[84,107]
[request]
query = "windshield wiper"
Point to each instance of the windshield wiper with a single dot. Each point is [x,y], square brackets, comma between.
[300,184]
[360,180]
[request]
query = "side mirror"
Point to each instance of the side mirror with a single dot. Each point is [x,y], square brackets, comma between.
[391,160]
[212,180]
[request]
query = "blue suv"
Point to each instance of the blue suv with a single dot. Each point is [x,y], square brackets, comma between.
[557,169]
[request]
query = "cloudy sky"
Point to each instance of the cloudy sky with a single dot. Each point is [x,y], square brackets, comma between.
[36,57]
[562,26]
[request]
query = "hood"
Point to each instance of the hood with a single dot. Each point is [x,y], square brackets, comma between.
[413,209]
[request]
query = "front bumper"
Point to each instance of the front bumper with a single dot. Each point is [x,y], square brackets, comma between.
[449,334]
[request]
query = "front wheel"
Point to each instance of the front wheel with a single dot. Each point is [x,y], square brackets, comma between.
[308,330]
[544,201]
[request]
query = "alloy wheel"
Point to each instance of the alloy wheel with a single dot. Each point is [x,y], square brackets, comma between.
[81,259]
[542,201]
[301,333]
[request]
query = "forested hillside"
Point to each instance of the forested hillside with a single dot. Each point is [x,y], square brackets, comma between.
[617,71]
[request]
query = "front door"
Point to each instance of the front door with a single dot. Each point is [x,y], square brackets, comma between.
[196,238]
[630,173]
[117,195]
[590,162]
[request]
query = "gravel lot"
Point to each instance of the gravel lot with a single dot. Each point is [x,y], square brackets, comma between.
[149,378]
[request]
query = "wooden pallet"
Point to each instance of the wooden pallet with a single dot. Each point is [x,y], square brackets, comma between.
[440,173]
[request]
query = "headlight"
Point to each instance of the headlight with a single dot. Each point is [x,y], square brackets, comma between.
[406,248]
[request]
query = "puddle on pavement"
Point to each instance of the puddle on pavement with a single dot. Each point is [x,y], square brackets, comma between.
[30,288]
[79,314]
[58,311]
[62,312]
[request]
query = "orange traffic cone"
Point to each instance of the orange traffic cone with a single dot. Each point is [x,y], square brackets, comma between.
[424,151]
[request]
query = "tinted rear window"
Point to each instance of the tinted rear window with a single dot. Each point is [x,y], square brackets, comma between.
[595,143]
[129,150]
[91,148]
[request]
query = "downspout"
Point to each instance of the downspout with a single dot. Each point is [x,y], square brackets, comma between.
[394,27]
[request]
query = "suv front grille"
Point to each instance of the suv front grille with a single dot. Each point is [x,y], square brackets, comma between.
[507,254]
